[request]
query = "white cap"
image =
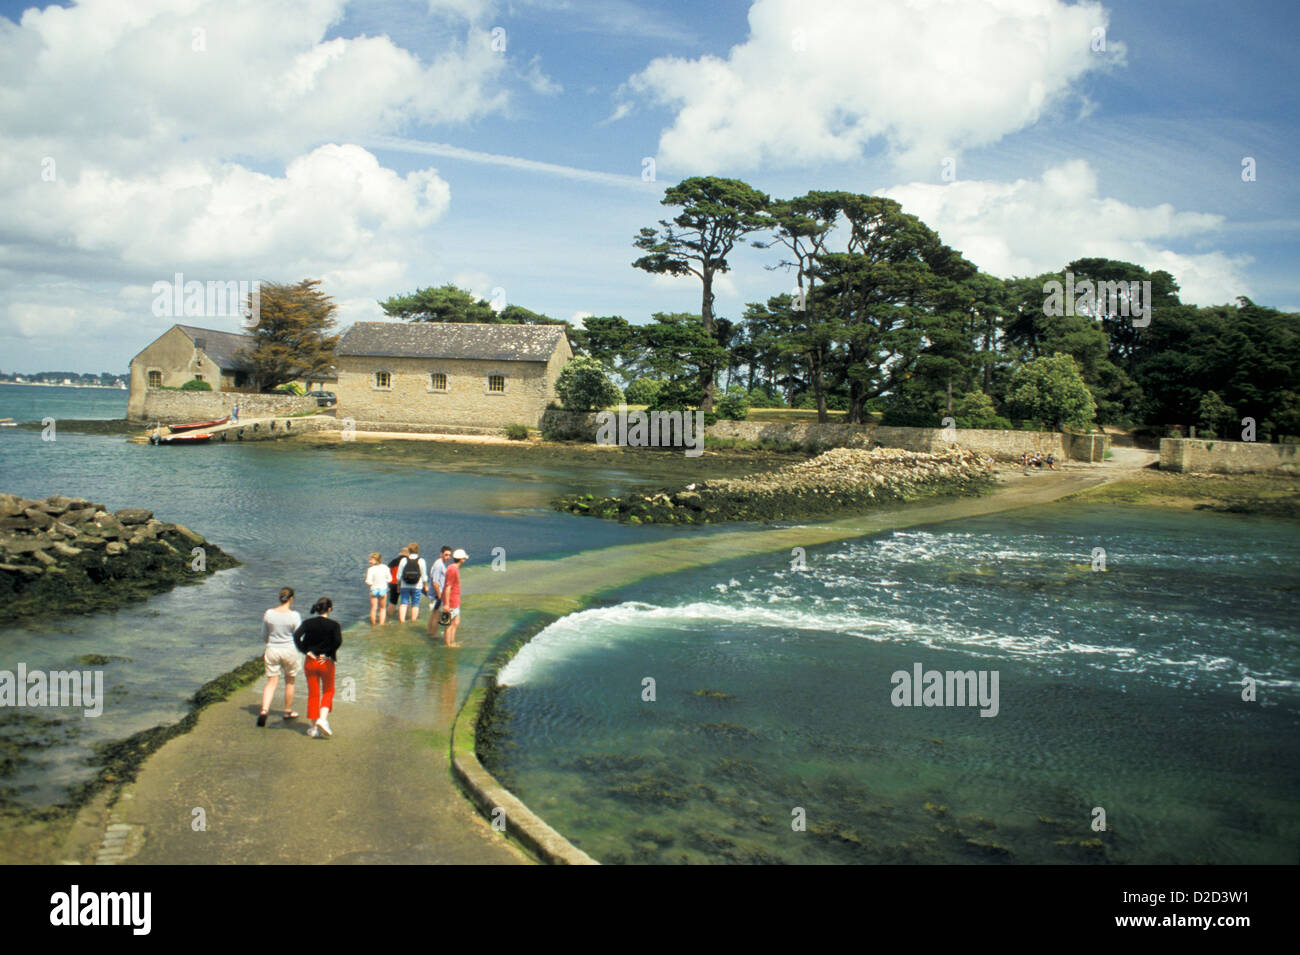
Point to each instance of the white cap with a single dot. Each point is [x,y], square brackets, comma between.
[459,554]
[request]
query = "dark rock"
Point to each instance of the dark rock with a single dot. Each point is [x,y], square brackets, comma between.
[67,530]
[21,522]
[188,534]
[25,571]
[20,545]
[108,526]
[53,507]
[38,518]
[133,515]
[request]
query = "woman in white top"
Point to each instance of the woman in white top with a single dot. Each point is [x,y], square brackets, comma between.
[377,584]
[278,626]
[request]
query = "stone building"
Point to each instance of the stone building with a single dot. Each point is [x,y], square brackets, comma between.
[185,352]
[425,375]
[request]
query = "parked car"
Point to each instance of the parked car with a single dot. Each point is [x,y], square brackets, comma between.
[325,399]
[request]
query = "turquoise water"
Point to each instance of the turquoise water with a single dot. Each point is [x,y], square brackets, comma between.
[1119,690]
[38,402]
[293,515]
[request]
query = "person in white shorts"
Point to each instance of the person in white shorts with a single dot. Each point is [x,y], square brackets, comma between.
[278,626]
[377,583]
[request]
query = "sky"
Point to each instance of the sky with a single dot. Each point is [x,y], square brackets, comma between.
[515,147]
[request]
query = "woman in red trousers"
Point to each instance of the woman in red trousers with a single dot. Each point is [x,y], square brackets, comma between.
[319,638]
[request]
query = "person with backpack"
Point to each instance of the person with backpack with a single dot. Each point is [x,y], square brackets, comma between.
[394,584]
[412,573]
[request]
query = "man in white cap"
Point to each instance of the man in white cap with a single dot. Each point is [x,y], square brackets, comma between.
[450,618]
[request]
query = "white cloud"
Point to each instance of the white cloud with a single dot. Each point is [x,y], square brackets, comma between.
[1031,226]
[579,319]
[215,77]
[819,80]
[538,81]
[213,138]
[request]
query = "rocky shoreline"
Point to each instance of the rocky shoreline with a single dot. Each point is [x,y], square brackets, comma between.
[839,481]
[72,555]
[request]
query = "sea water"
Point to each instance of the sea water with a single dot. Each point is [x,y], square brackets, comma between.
[295,515]
[770,733]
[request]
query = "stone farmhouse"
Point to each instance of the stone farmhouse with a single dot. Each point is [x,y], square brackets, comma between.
[185,352]
[428,375]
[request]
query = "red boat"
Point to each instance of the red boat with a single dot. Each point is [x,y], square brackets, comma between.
[193,437]
[178,428]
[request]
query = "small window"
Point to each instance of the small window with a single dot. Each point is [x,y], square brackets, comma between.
[496,384]
[437,381]
[383,379]
[198,377]
[155,379]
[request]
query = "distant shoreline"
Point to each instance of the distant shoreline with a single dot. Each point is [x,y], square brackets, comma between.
[51,384]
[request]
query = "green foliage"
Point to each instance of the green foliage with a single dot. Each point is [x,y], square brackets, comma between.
[450,303]
[642,391]
[975,410]
[734,405]
[195,384]
[584,385]
[1051,390]
[762,398]
[1215,415]
[517,432]
[291,388]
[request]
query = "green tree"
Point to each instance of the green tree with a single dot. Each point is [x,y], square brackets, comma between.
[584,385]
[676,347]
[446,303]
[1052,390]
[802,227]
[643,391]
[1215,414]
[716,214]
[293,337]
[893,296]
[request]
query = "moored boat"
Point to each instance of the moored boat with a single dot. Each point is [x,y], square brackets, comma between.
[178,428]
[193,437]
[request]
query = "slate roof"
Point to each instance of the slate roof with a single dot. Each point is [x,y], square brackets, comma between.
[221,347]
[503,342]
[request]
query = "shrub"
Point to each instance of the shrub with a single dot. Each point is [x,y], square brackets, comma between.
[734,405]
[1051,389]
[517,432]
[194,384]
[643,391]
[585,385]
[760,398]
[291,388]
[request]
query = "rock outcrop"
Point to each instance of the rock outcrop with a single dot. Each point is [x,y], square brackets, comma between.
[841,481]
[70,555]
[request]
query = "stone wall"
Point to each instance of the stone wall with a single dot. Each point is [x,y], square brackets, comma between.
[411,403]
[172,407]
[1001,445]
[1230,457]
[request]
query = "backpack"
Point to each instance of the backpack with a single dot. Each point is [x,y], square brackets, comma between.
[411,572]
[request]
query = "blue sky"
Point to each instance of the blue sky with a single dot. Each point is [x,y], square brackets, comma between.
[283,140]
